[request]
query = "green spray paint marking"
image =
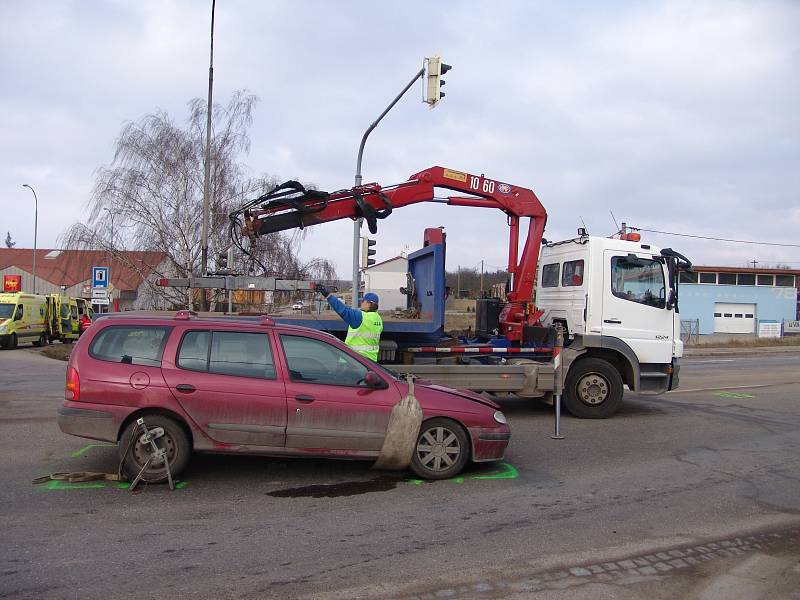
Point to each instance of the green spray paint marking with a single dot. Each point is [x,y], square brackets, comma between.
[506,471]
[734,395]
[178,486]
[85,449]
[85,485]
[96,485]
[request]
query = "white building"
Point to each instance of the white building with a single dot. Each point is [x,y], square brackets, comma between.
[385,279]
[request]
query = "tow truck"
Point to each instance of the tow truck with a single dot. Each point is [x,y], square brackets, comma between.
[615,299]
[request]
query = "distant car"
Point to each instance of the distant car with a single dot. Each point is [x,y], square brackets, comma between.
[298,305]
[249,385]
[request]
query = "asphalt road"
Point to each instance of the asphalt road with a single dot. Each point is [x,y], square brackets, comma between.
[677,496]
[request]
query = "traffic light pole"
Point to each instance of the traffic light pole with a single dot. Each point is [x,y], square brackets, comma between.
[357,223]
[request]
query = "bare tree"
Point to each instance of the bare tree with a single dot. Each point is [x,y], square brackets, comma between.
[151,197]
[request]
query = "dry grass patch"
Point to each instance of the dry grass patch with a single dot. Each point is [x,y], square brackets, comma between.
[58,351]
[753,343]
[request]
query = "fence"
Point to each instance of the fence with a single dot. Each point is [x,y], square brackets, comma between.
[690,331]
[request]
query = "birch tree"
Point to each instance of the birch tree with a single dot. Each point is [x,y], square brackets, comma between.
[151,198]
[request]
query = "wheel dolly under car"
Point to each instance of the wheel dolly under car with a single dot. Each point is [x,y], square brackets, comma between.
[148,436]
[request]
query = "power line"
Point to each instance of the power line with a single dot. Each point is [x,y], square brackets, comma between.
[704,237]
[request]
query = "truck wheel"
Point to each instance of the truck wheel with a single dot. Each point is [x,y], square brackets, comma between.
[135,453]
[593,389]
[12,341]
[42,341]
[442,449]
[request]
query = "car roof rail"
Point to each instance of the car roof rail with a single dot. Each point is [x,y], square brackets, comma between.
[184,315]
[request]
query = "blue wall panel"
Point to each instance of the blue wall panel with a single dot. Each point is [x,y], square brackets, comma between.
[772,303]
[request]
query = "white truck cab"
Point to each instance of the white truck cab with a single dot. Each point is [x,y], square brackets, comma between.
[617,299]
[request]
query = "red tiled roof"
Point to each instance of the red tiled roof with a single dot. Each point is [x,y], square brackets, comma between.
[74,266]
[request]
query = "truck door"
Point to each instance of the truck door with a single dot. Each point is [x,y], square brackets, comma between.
[635,290]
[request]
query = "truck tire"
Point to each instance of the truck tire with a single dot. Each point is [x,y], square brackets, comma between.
[135,454]
[593,389]
[12,341]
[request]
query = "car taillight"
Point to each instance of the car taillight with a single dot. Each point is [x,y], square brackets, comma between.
[73,389]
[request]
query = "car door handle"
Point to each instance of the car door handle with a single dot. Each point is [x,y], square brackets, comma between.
[615,321]
[185,387]
[304,398]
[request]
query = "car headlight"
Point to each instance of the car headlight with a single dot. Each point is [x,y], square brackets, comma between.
[500,417]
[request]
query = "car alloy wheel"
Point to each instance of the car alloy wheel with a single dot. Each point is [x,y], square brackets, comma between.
[441,451]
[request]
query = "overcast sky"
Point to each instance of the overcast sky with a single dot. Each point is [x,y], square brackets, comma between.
[680,116]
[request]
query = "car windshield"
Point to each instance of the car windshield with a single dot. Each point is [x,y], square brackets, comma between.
[6,310]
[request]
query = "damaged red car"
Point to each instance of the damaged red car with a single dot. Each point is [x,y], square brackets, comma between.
[250,385]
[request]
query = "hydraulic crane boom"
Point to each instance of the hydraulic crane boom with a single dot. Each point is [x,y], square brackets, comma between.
[291,206]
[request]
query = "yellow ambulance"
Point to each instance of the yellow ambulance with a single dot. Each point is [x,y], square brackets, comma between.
[23,318]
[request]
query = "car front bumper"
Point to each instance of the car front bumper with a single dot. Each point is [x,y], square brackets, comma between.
[489,443]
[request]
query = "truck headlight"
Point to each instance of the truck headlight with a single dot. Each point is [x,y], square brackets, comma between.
[500,417]
[2,328]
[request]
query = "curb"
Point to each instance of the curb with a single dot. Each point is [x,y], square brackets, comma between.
[744,351]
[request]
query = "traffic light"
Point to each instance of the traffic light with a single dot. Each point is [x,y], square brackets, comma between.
[225,260]
[367,251]
[436,68]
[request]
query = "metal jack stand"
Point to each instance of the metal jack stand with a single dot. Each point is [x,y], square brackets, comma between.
[147,437]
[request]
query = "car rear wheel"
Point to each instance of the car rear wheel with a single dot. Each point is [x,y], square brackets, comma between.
[442,449]
[135,453]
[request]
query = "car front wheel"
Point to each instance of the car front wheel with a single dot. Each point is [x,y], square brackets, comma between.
[135,453]
[442,449]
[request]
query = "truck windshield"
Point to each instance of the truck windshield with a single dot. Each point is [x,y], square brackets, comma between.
[639,281]
[6,310]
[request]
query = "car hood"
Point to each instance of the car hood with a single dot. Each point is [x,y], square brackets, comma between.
[424,388]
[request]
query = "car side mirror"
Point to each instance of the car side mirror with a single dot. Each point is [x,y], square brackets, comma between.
[18,316]
[373,381]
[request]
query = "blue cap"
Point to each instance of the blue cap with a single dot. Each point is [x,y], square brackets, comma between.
[371,297]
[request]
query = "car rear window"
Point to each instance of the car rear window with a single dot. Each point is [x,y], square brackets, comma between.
[230,353]
[130,344]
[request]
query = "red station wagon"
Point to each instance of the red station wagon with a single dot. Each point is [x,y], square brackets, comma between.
[249,385]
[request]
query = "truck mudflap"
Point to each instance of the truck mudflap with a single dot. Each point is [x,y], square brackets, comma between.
[530,379]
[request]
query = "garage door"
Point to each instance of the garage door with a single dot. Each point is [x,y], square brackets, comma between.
[734,318]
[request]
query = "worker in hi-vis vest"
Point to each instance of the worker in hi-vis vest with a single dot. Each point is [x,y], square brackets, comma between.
[364,326]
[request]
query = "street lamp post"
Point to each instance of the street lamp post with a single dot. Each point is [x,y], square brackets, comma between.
[35,230]
[358,179]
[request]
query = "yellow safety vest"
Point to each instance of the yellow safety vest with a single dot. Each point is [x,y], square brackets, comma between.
[366,340]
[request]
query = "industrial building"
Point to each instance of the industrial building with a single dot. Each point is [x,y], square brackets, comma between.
[730,300]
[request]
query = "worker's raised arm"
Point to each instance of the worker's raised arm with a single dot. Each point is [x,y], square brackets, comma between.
[351,316]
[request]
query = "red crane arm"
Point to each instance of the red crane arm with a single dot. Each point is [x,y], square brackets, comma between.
[373,201]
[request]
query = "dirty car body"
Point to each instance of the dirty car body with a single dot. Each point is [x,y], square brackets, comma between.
[248,385]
